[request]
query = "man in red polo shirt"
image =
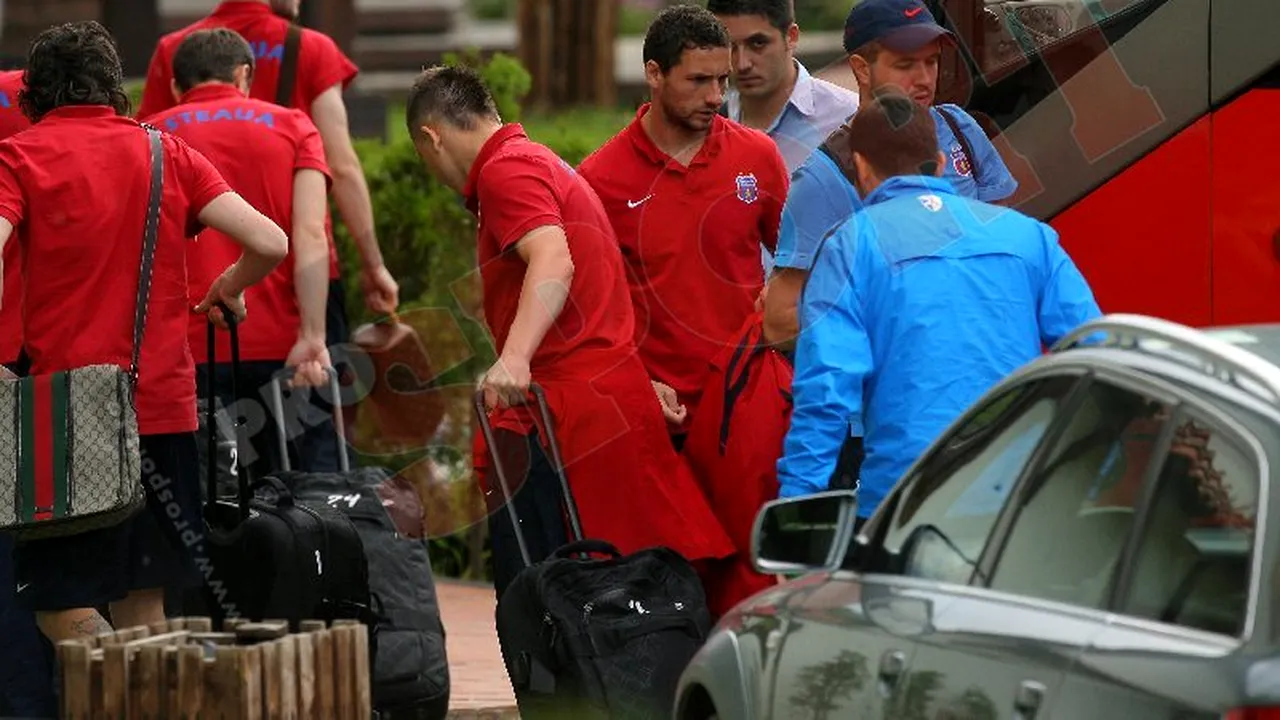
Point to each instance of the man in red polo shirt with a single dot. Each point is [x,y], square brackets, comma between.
[11,121]
[556,302]
[692,197]
[322,73]
[286,179]
[73,192]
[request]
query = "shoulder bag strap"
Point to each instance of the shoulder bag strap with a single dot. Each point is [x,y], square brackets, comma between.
[288,66]
[150,231]
[961,138]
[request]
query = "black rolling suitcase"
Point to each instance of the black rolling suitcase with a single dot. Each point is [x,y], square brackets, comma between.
[587,638]
[266,555]
[410,674]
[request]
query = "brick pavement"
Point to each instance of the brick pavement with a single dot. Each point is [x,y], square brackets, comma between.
[480,688]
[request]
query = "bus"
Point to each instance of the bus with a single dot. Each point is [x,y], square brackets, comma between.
[1145,132]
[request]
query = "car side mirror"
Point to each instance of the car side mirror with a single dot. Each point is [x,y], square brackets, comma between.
[803,534]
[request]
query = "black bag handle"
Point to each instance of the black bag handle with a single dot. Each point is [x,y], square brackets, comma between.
[245,492]
[570,507]
[585,547]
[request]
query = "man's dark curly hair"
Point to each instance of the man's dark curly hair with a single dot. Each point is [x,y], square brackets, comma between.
[679,28]
[73,64]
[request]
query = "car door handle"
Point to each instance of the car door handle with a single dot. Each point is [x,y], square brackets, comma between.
[892,663]
[1030,695]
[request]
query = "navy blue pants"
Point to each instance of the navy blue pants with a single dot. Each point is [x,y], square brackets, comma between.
[26,657]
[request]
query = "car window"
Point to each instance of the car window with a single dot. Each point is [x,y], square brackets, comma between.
[1077,512]
[944,513]
[1191,567]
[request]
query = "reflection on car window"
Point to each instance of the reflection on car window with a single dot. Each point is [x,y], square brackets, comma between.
[1013,30]
[949,506]
[1077,513]
[1192,564]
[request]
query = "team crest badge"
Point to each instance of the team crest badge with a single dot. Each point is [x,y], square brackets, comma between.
[748,188]
[960,161]
[932,203]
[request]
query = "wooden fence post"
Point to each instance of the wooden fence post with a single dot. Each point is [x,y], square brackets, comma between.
[568,48]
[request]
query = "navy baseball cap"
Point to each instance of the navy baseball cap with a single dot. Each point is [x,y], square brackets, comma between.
[900,25]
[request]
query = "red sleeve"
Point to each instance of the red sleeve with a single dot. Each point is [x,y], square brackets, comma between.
[200,181]
[516,196]
[310,148]
[778,183]
[157,96]
[325,66]
[13,205]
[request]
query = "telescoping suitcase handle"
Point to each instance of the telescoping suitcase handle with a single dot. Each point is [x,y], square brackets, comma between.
[211,414]
[277,412]
[557,463]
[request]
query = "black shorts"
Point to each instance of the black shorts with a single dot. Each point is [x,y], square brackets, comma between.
[149,550]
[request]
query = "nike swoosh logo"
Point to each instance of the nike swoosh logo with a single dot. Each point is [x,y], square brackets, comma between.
[913,12]
[23,587]
[633,204]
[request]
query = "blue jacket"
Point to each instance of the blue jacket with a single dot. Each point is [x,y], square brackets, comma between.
[914,308]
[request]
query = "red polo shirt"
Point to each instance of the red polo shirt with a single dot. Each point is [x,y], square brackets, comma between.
[220,123]
[75,186]
[691,239]
[11,121]
[321,65]
[516,186]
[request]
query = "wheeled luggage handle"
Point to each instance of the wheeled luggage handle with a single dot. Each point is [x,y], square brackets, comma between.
[570,507]
[340,431]
[211,413]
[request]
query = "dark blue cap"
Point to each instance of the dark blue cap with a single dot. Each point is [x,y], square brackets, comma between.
[900,25]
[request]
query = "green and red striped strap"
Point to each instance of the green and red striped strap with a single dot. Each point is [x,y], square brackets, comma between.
[42,470]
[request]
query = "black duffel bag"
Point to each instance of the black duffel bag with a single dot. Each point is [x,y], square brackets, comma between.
[587,638]
[411,672]
[266,555]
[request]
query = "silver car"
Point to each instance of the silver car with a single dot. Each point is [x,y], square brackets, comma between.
[1088,541]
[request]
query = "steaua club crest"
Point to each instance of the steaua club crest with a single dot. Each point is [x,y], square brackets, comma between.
[960,161]
[748,188]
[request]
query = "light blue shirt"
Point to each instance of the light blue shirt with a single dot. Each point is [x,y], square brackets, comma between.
[814,110]
[915,307]
[821,197]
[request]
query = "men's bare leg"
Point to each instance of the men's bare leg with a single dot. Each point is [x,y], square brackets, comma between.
[140,607]
[75,624]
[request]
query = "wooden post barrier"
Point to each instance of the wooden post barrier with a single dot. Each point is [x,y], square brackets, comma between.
[183,670]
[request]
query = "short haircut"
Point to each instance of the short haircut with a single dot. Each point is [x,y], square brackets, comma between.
[895,135]
[679,28]
[869,51]
[73,64]
[451,93]
[207,55]
[780,13]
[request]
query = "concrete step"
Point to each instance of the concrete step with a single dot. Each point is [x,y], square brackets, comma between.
[411,51]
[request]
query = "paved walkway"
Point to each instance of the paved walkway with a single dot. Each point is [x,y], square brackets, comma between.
[479,681]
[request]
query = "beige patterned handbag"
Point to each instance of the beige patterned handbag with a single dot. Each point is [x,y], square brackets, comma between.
[69,455]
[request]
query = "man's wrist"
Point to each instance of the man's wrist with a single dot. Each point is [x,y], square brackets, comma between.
[311,336]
